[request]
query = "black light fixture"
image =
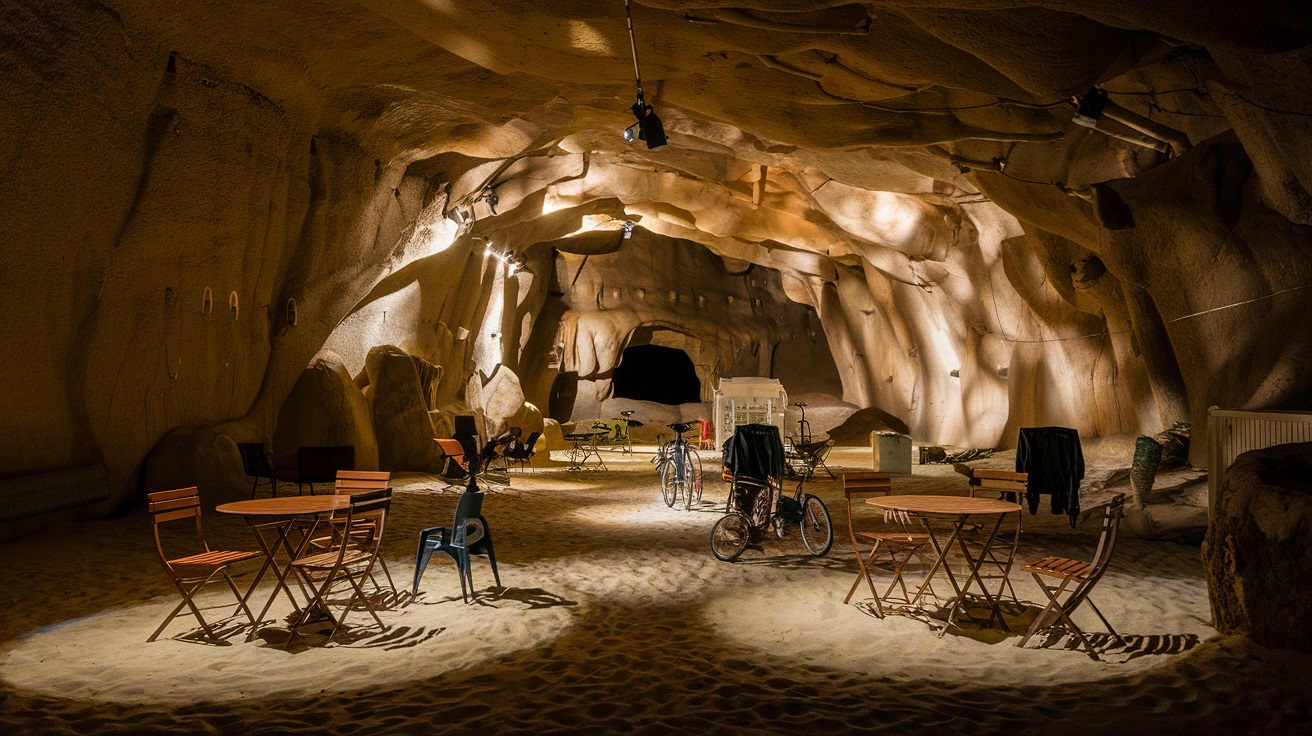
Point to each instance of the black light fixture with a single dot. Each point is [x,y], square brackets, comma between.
[490,197]
[1089,107]
[649,126]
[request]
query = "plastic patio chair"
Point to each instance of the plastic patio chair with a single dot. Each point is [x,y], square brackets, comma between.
[469,534]
[191,573]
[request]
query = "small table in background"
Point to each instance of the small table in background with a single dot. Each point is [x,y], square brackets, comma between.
[958,510]
[584,447]
[274,520]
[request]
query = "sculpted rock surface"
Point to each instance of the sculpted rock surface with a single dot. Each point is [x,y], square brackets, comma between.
[400,412]
[326,408]
[197,202]
[1256,552]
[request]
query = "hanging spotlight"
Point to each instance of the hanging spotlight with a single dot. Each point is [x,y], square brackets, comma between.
[628,229]
[1089,108]
[650,128]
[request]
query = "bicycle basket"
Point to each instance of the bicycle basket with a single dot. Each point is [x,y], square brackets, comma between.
[790,509]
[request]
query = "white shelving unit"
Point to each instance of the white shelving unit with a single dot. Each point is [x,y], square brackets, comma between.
[748,400]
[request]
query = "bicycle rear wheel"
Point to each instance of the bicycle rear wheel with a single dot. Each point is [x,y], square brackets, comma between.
[730,537]
[669,492]
[817,529]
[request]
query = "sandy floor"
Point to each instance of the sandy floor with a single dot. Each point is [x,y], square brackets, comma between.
[617,618]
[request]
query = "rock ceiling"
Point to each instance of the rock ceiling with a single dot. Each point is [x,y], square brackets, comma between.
[911,169]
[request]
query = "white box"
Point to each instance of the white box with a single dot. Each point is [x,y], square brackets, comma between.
[892,452]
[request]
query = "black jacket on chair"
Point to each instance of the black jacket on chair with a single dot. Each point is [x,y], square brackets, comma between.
[1055,463]
[755,451]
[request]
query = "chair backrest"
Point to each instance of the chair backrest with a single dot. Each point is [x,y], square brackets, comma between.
[368,511]
[320,464]
[166,506]
[866,483]
[453,449]
[255,460]
[1004,482]
[470,506]
[357,481]
[861,484]
[1111,524]
[523,451]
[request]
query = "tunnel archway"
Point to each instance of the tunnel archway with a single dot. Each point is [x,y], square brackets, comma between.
[657,373]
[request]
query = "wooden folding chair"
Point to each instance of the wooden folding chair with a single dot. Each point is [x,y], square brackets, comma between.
[350,483]
[1084,575]
[1008,486]
[899,544]
[351,560]
[191,573]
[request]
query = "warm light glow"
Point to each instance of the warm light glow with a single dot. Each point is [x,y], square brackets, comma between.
[584,37]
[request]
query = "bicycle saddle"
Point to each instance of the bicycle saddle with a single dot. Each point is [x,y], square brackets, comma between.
[626,414]
[682,426]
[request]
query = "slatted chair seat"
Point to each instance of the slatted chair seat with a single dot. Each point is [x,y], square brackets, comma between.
[894,537]
[1060,567]
[192,572]
[327,560]
[213,558]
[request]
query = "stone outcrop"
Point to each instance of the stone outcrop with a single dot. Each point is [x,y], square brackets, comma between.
[1257,556]
[326,408]
[399,408]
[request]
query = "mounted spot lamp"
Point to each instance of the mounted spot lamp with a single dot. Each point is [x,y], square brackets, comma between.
[649,127]
[1089,107]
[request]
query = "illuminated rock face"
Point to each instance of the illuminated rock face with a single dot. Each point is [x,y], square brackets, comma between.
[197,202]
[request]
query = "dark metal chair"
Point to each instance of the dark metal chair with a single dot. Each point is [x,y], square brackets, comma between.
[255,461]
[468,535]
[320,464]
[521,453]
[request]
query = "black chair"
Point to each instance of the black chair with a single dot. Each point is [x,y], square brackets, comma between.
[255,461]
[468,535]
[466,433]
[521,453]
[320,464]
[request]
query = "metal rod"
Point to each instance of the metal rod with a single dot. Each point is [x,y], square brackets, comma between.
[637,75]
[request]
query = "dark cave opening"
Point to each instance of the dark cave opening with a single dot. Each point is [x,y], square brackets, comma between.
[656,373]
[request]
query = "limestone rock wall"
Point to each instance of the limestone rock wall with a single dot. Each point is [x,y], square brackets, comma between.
[197,201]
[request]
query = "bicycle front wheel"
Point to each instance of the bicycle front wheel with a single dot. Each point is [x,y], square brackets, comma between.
[730,537]
[692,478]
[817,529]
[669,487]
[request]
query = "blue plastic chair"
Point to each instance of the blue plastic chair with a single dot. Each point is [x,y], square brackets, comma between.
[469,534]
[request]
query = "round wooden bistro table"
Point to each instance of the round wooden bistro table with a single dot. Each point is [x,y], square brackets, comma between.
[958,510]
[275,521]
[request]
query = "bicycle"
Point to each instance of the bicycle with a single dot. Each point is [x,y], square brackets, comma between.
[771,510]
[680,468]
[757,505]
